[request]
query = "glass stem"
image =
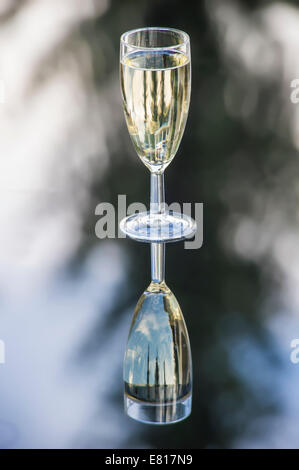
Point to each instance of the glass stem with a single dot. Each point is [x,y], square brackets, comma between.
[158,262]
[157,199]
[157,206]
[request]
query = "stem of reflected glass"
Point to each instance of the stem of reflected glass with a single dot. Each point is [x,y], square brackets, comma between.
[158,262]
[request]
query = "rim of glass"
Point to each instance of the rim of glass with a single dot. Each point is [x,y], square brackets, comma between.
[185,38]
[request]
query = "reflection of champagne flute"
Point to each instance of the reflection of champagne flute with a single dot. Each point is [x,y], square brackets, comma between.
[157,364]
[155,74]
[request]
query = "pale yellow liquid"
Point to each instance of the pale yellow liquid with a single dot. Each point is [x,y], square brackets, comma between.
[156,93]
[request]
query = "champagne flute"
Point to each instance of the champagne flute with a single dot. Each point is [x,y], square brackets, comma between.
[155,75]
[157,364]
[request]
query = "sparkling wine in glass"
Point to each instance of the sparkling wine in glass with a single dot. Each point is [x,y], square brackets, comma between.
[155,76]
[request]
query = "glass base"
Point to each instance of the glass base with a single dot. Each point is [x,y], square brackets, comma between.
[155,228]
[158,413]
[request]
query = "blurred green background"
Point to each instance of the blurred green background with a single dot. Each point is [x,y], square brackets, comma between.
[68,297]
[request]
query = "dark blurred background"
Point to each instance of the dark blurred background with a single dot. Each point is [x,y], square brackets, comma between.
[67,297]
